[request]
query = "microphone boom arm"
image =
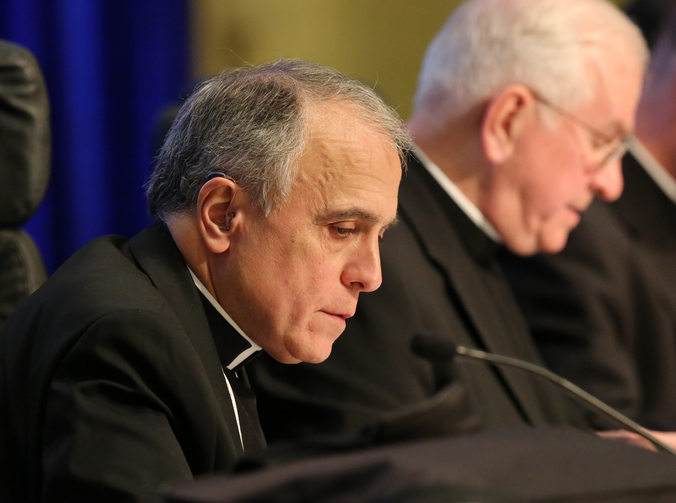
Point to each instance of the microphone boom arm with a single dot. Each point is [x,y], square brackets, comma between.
[574,390]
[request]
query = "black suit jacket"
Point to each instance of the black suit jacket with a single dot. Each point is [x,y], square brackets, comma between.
[603,311]
[439,275]
[111,381]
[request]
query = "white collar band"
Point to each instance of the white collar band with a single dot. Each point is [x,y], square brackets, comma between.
[247,352]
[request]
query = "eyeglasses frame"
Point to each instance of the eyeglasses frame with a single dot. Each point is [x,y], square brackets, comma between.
[614,155]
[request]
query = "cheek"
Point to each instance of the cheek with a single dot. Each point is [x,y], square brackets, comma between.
[308,332]
[556,176]
[297,289]
[308,288]
[547,214]
[555,191]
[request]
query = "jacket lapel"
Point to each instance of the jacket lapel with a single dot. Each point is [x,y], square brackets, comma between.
[649,217]
[160,259]
[645,210]
[489,309]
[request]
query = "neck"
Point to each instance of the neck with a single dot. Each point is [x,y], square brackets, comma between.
[185,234]
[456,148]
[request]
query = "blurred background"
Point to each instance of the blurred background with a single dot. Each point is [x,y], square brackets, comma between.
[113,66]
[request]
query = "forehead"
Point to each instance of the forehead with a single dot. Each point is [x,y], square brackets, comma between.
[346,161]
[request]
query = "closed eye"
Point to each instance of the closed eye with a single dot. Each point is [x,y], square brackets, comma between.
[603,143]
[342,231]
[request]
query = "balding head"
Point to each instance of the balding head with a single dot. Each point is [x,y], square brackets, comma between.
[546,45]
[526,106]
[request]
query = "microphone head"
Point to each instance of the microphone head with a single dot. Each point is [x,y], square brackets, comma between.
[433,347]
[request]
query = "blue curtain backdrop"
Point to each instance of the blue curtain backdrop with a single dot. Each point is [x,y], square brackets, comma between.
[110,67]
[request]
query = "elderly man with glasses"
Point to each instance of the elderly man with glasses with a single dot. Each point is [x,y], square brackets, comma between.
[603,312]
[522,111]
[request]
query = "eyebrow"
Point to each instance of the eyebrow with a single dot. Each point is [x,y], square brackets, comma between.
[352,214]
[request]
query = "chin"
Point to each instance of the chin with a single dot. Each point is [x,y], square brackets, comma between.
[307,357]
[523,246]
[286,359]
[317,358]
[306,350]
[553,244]
[530,245]
[318,354]
[553,235]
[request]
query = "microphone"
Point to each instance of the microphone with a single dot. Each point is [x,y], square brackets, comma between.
[442,349]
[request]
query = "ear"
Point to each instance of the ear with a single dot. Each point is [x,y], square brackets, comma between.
[219,206]
[507,115]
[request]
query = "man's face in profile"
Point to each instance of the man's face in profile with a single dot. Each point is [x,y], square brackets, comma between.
[556,171]
[301,269]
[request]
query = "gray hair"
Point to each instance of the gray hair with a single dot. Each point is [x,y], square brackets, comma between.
[543,44]
[250,124]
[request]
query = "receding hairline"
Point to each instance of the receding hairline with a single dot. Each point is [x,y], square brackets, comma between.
[430,93]
[260,137]
[319,111]
[328,120]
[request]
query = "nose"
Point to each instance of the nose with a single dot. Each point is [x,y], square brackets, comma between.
[363,271]
[607,183]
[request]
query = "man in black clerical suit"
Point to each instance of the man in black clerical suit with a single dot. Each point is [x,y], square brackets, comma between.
[519,121]
[124,371]
[603,312]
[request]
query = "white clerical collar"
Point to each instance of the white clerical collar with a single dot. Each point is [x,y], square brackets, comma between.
[457,196]
[652,166]
[247,352]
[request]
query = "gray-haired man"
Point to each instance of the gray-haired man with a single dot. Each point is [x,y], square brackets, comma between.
[603,312]
[273,190]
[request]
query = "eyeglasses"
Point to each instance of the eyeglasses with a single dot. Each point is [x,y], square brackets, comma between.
[612,149]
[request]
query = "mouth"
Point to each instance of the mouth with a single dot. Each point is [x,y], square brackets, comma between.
[577,215]
[582,204]
[340,316]
[578,211]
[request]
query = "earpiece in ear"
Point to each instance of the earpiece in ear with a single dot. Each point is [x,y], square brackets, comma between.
[213,175]
[228,221]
